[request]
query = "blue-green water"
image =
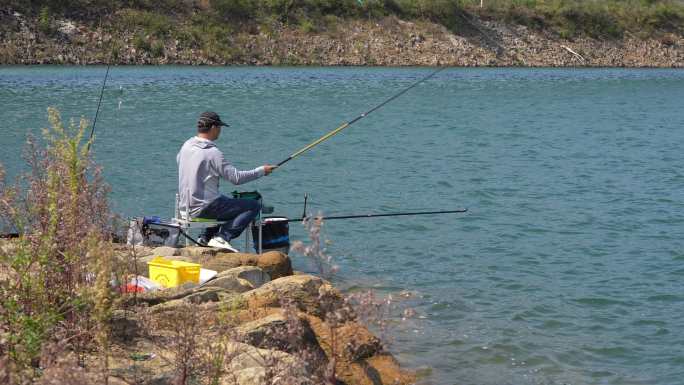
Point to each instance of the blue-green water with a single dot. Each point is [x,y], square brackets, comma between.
[567,269]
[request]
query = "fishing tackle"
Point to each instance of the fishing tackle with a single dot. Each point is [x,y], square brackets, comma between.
[386,215]
[349,123]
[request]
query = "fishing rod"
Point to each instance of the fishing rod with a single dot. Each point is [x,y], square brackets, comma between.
[349,123]
[384,215]
[305,216]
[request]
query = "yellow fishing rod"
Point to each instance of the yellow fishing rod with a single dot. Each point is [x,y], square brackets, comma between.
[349,123]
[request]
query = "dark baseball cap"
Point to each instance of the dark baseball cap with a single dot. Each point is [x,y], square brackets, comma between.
[210,118]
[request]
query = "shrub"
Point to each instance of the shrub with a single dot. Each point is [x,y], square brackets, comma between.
[666,17]
[153,24]
[141,43]
[440,11]
[158,48]
[235,9]
[307,26]
[56,274]
[44,22]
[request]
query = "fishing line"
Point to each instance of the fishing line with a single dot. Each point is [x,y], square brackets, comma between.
[99,103]
[349,123]
[500,48]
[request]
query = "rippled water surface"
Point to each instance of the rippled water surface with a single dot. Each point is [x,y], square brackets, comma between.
[568,268]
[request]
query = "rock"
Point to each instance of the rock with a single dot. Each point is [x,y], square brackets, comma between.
[165,251]
[254,275]
[278,331]
[198,251]
[248,365]
[66,27]
[385,370]
[352,340]
[209,294]
[230,283]
[156,370]
[359,356]
[124,325]
[163,378]
[169,307]
[309,294]
[275,263]
[220,261]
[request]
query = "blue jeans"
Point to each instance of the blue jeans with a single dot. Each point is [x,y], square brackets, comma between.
[237,212]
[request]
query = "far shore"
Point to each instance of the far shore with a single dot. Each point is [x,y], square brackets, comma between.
[385,42]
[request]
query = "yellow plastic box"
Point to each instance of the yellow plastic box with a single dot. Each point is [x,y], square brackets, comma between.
[173,273]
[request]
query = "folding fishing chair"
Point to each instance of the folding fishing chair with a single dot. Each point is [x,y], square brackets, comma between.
[187,223]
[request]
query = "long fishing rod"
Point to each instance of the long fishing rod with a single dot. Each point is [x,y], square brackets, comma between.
[349,123]
[380,215]
[99,102]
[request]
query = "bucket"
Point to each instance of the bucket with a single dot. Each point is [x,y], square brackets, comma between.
[275,233]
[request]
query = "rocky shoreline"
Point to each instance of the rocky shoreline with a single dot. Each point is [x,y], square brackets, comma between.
[267,323]
[386,42]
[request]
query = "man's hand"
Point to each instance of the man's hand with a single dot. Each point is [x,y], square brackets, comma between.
[268,168]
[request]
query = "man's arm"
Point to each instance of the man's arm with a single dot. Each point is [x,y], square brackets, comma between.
[227,171]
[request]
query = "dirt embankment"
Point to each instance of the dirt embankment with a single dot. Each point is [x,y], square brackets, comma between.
[386,42]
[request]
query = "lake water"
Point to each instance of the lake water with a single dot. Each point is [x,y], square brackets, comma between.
[568,267]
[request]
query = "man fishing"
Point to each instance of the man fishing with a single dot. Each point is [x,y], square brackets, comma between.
[200,166]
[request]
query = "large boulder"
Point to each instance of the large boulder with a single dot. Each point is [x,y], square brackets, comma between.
[286,331]
[275,263]
[352,341]
[359,355]
[308,293]
[248,365]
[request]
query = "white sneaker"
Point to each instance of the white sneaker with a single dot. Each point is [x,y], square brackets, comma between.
[222,244]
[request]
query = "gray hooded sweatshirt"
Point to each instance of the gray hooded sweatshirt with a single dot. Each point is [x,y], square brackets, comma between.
[200,166]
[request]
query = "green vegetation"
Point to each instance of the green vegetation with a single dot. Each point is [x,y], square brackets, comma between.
[213,26]
[594,18]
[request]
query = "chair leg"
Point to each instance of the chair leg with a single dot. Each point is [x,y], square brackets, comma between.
[248,234]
